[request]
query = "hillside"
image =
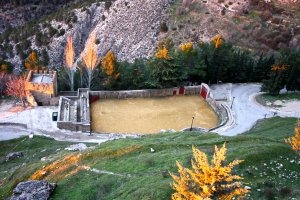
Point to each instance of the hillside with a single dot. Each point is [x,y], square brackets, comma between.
[271,168]
[15,13]
[257,25]
[133,29]
[112,22]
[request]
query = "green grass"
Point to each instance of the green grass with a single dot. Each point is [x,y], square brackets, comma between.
[262,148]
[264,98]
[20,169]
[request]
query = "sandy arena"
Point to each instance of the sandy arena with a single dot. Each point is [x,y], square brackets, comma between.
[150,115]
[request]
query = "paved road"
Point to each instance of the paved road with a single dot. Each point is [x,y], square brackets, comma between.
[245,111]
[8,133]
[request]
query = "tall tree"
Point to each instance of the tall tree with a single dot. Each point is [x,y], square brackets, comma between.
[208,181]
[32,62]
[162,70]
[16,88]
[192,66]
[263,67]
[109,66]
[90,57]
[277,79]
[69,58]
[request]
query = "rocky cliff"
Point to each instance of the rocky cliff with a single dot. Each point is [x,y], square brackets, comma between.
[128,27]
[259,25]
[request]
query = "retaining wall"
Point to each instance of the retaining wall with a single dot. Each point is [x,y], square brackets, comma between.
[219,110]
[74,126]
[189,90]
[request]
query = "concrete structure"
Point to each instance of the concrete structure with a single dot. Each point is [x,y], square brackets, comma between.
[74,112]
[41,87]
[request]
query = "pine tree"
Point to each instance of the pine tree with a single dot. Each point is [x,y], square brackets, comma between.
[162,70]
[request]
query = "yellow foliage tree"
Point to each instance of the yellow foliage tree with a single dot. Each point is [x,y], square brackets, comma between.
[208,181]
[294,141]
[3,68]
[90,57]
[69,57]
[217,40]
[186,47]
[32,62]
[162,53]
[109,64]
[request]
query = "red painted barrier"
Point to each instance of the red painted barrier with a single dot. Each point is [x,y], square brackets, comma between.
[181,90]
[203,92]
[94,98]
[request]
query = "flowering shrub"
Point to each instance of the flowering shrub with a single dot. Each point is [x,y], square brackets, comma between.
[208,181]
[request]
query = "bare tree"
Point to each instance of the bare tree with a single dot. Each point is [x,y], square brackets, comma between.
[90,57]
[16,88]
[69,56]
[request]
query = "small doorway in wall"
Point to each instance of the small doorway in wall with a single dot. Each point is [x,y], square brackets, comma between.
[181,90]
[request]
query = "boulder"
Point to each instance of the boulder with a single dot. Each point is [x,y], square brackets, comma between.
[33,190]
[13,155]
[278,103]
[77,147]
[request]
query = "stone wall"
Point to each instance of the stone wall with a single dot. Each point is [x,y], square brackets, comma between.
[189,90]
[74,112]
[220,110]
[72,126]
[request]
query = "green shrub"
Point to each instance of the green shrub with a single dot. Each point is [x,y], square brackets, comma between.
[163,27]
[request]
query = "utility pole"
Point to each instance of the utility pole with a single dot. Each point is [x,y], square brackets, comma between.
[232,102]
[192,123]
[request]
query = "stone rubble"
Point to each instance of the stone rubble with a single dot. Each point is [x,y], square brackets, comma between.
[33,190]
[13,155]
[77,147]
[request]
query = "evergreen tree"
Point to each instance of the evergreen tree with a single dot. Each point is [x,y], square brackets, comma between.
[162,70]
[263,67]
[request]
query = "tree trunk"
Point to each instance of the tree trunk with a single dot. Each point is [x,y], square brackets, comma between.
[72,80]
[90,78]
[22,100]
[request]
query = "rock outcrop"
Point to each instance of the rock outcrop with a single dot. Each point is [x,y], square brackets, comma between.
[131,28]
[33,190]
[77,147]
[13,155]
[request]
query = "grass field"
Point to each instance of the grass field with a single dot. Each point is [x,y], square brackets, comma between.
[264,98]
[271,168]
